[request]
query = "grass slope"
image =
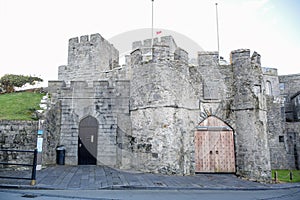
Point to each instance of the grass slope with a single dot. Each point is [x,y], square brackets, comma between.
[284,175]
[19,105]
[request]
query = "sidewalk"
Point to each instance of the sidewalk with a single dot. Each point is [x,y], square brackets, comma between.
[101,177]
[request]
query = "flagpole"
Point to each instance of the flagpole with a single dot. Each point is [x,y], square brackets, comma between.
[152,26]
[218,32]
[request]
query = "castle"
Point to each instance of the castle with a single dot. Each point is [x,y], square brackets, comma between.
[158,113]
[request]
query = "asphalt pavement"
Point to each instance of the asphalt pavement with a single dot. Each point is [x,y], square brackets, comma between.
[90,177]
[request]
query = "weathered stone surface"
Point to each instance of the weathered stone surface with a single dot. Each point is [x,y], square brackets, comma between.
[289,85]
[292,140]
[17,135]
[107,101]
[147,110]
[89,55]
[51,133]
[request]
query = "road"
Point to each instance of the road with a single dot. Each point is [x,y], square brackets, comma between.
[281,194]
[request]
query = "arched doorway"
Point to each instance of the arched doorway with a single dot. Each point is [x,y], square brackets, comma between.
[87,141]
[214,147]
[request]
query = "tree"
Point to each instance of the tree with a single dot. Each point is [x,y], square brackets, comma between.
[9,81]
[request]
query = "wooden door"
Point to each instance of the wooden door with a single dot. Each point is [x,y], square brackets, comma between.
[87,141]
[214,147]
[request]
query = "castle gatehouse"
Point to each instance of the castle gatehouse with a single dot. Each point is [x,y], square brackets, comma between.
[159,113]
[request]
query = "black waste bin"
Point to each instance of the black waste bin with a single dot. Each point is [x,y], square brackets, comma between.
[60,155]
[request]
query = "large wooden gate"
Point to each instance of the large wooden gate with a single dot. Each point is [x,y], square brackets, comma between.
[214,147]
[87,141]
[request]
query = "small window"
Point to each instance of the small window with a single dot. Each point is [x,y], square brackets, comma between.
[281,138]
[268,88]
[281,86]
[257,89]
[287,99]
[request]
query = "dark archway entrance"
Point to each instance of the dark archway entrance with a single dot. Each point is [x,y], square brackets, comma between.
[87,141]
[214,147]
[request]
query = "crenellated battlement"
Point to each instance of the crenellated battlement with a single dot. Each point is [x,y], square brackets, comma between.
[91,39]
[164,41]
[163,48]
[99,89]
[84,84]
[207,58]
[244,54]
[88,57]
[239,54]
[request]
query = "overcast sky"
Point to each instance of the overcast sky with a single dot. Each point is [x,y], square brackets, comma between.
[34,33]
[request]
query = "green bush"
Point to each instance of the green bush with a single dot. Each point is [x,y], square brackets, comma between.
[9,81]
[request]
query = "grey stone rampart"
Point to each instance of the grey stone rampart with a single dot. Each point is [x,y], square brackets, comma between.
[17,135]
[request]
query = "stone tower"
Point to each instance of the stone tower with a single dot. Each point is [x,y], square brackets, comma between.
[88,57]
[249,107]
[163,108]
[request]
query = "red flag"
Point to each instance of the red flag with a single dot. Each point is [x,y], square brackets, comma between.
[158,32]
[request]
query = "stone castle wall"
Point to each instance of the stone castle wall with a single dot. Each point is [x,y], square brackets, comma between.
[148,109]
[107,102]
[17,135]
[275,117]
[235,93]
[51,133]
[276,135]
[22,135]
[249,107]
[271,82]
[293,144]
[289,90]
[163,115]
[289,85]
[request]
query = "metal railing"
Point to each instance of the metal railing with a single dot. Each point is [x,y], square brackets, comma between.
[33,165]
